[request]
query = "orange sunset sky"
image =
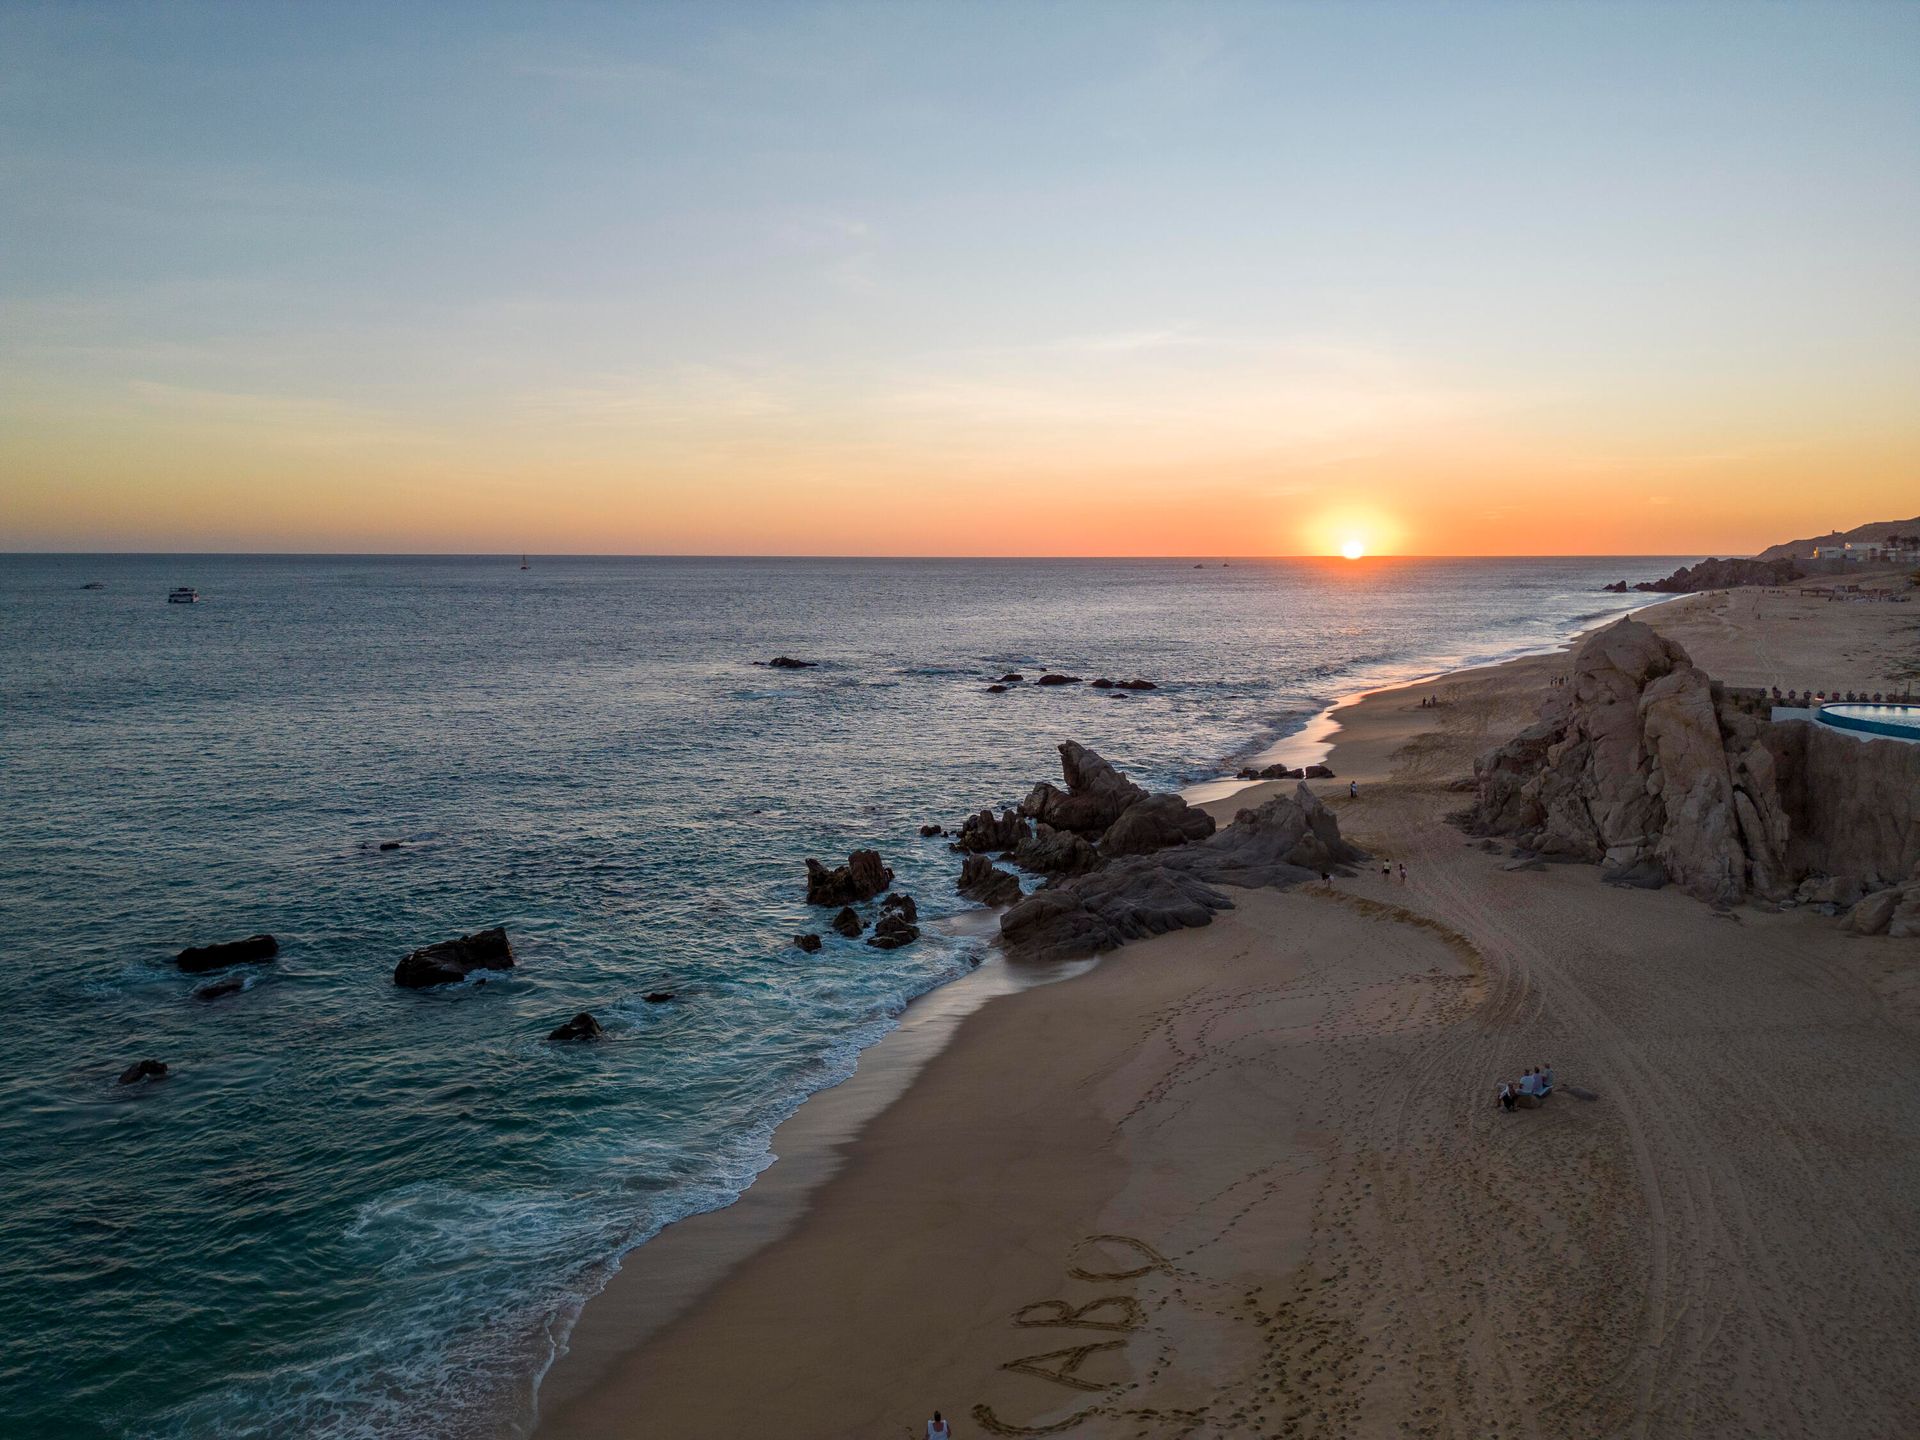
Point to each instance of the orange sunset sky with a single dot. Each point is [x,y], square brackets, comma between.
[959,280]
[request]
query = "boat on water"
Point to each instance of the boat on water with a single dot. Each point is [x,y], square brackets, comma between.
[523,562]
[184,595]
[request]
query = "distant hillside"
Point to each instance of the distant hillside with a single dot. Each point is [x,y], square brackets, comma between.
[1859,535]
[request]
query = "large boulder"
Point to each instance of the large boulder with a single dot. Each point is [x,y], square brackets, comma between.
[1875,912]
[861,878]
[1095,797]
[1055,852]
[848,922]
[452,960]
[987,831]
[893,930]
[582,1027]
[1287,839]
[904,903]
[197,959]
[982,882]
[1123,901]
[1155,823]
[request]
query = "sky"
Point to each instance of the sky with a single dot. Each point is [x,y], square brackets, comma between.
[972,279]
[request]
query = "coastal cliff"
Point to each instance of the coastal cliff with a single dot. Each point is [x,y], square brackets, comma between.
[1643,763]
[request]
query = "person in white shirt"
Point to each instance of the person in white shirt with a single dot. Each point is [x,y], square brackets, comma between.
[1546,1079]
[938,1429]
[1529,1084]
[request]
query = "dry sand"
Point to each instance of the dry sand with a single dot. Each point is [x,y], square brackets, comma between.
[1250,1180]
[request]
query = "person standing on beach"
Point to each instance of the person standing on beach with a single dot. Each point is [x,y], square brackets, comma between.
[1403,872]
[1353,789]
[938,1429]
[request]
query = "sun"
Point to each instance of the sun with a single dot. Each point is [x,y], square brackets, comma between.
[1353,549]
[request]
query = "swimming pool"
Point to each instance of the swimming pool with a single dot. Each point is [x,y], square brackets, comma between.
[1902,722]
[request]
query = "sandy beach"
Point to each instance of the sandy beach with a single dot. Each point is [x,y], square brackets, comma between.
[1250,1179]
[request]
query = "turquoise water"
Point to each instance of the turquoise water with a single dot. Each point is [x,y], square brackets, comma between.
[352,1210]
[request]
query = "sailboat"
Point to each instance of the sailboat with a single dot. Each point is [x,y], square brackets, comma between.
[523,562]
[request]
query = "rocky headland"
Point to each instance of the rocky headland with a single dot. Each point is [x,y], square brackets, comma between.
[1716,575]
[1645,765]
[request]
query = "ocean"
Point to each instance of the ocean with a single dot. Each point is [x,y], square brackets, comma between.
[356,1210]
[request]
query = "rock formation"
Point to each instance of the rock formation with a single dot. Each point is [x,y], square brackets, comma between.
[451,960]
[904,903]
[894,929]
[1641,760]
[1095,796]
[582,1027]
[661,997]
[1052,679]
[1055,852]
[220,989]
[1723,575]
[1156,822]
[143,1070]
[197,959]
[848,922]
[809,943]
[987,831]
[861,878]
[787,662]
[981,881]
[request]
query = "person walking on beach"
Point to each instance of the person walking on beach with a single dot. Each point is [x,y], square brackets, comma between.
[1353,789]
[1403,872]
[1505,1096]
[938,1429]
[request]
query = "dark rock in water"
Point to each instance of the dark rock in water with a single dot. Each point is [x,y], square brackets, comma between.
[996,689]
[389,844]
[1645,874]
[144,1070]
[987,831]
[1135,685]
[1126,900]
[1103,683]
[787,662]
[848,922]
[808,943]
[903,903]
[1618,587]
[861,878]
[1317,772]
[1095,797]
[1051,679]
[661,997]
[451,960]
[1055,852]
[220,989]
[1012,677]
[94,585]
[894,929]
[981,881]
[197,959]
[929,831]
[582,1027]
[1153,824]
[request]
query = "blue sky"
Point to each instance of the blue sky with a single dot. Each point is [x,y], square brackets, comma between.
[676,260]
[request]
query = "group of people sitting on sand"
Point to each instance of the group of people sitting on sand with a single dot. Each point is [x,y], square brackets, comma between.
[1529,1090]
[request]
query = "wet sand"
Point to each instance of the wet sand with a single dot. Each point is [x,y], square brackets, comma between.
[1250,1179]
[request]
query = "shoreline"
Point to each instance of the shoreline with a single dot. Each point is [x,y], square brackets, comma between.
[658,1281]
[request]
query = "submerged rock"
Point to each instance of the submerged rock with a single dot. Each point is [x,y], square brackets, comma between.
[661,997]
[197,959]
[143,1070]
[996,689]
[861,878]
[453,960]
[389,845]
[808,943]
[1135,685]
[1012,677]
[787,662]
[220,989]
[927,832]
[1052,679]
[582,1027]
[894,929]
[982,882]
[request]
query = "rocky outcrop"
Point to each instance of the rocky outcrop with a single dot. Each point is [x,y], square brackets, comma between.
[143,1070]
[1095,797]
[1122,901]
[848,922]
[904,903]
[787,662]
[1723,575]
[986,832]
[1317,772]
[1642,760]
[1154,823]
[861,878]
[927,832]
[582,1027]
[1055,852]
[658,997]
[980,881]
[453,960]
[197,959]
[809,943]
[894,929]
[1052,679]
[1272,772]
